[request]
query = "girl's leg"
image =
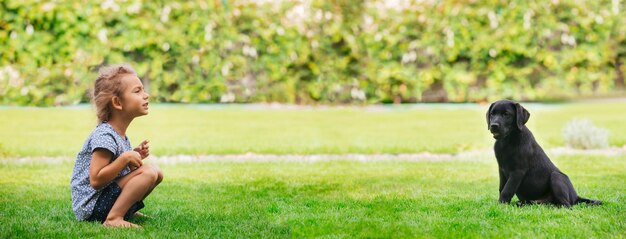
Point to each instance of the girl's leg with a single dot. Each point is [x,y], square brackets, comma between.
[135,186]
[158,180]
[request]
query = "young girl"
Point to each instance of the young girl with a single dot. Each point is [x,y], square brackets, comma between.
[110,181]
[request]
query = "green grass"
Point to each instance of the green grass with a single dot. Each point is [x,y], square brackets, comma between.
[329,199]
[236,129]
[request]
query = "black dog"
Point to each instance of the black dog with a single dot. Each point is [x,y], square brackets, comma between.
[525,170]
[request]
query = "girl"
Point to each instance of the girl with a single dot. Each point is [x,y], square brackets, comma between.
[110,181]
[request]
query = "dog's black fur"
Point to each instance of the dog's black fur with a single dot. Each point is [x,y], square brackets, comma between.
[524,168]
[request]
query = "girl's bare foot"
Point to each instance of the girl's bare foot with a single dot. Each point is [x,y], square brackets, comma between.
[119,224]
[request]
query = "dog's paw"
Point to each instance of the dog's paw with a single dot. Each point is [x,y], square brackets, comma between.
[504,201]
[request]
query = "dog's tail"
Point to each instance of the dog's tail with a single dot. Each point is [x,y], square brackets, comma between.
[589,202]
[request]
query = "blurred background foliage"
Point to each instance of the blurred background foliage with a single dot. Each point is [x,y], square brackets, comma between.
[312,51]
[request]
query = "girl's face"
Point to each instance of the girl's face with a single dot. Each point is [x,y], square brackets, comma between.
[134,99]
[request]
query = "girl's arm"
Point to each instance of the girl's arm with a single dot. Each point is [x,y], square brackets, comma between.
[102,171]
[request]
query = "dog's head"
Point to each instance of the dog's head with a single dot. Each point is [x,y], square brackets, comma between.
[505,116]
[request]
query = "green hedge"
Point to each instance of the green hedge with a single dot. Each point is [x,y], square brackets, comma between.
[315,52]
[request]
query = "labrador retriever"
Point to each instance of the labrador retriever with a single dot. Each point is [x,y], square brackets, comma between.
[525,170]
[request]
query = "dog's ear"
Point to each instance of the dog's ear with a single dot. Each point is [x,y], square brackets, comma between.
[522,115]
[488,114]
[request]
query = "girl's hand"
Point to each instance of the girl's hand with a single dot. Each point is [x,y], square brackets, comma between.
[143,149]
[134,159]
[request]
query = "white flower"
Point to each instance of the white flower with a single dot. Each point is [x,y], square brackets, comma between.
[134,8]
[328,15]
[208,31]
[102,35]
[493,20]
[357,94]
[46,7]
[528,18]
[599,19]
[449,37]
[249,51]
[225,69]
[110,4]
[165,13]
[227,98]
[568,40]
[493,52]
[30,30]
[378,37]
[14,76]
[409,57]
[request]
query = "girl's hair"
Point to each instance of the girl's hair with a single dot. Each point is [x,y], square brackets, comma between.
[108,84]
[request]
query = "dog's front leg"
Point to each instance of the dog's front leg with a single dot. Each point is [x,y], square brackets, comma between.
[513,182]
[503,180]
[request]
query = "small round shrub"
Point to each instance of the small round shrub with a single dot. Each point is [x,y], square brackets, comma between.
[582,134]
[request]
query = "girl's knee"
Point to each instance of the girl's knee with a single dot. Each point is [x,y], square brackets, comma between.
[148,171]
[159,173]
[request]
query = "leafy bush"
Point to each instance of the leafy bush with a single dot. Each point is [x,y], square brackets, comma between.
[314,50]
[582,134]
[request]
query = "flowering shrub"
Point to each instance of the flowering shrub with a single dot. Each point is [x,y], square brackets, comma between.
[311,51]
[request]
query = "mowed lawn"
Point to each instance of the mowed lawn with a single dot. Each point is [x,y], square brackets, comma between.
[189,129]
[330,199]
[450,198]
